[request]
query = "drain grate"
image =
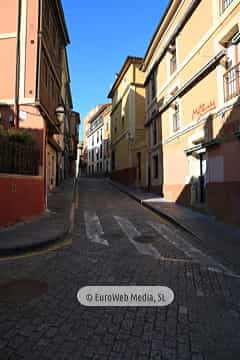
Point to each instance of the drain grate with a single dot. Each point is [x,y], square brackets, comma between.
[22,290]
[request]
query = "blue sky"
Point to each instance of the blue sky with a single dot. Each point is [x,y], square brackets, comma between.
[102,34]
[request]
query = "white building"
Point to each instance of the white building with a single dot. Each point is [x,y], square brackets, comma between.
[96,143]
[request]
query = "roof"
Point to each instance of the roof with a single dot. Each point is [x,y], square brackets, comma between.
[102,108]
[129,60]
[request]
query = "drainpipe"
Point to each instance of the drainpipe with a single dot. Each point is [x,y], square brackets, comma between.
[39,51]
[17,80]
[37,100]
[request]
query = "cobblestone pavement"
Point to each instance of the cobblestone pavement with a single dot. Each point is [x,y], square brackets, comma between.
[44,320]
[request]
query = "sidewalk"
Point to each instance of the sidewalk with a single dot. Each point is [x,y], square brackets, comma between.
[52,226]
[216,238]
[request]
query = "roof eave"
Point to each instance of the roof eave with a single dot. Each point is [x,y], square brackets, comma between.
[158,28]
[128,61]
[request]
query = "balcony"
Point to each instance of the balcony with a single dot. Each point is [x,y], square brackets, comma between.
[232,82]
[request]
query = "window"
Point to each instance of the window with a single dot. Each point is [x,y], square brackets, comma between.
[101,135]
[173,57]
[98,137]
[92,155]
[93,140]
[225,4]
[176,117]
[155,166]
[101,152]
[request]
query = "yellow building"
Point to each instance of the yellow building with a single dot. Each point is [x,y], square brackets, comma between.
[192,114]
[127,124]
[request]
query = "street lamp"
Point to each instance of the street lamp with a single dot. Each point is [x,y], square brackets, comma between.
[60,114]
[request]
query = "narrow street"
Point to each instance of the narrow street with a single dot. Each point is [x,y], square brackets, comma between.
[115,242]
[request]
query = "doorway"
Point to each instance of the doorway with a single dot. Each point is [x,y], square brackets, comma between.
[198,170]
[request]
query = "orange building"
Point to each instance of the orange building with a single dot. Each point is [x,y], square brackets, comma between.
[192,115]
[33,38]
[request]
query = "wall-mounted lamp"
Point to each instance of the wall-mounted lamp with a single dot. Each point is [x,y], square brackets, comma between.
[60,114]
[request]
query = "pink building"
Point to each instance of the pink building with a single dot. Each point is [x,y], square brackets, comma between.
[33,38]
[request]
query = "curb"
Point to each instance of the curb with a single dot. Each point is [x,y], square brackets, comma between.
[33,247]
[152,208]
[24,249]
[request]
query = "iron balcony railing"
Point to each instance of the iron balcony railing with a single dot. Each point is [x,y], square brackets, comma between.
[16,158]
[232,82]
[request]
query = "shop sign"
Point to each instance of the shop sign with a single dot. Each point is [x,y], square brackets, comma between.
[203,109]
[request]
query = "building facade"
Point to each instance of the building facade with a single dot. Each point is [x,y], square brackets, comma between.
[192,115]
[86,125]
[95,142]
[33,41]
[107,140]
[127,124]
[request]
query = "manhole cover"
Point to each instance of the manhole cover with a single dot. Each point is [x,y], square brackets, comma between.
[22,291]
[145,239]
